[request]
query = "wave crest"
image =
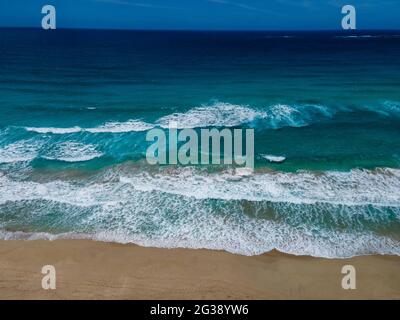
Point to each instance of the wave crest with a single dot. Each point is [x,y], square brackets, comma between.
[218,114]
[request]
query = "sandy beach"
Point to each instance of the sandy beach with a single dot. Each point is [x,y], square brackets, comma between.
[96,270]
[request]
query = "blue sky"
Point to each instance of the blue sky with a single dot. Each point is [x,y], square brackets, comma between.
[202,14]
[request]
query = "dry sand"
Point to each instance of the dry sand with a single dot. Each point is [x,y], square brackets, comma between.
[96,270]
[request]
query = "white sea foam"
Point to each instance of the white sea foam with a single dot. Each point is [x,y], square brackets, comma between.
[57,191]
[121,127]
[218,114]
[194,225]
[19,235]
[389,108]
[230,115]
[28,150]
[72,152]
[109,127]
[282,115]
[221,114]
[357,187]
[20,151]
[54,130]
[272,158]
[243,236]
[175,210]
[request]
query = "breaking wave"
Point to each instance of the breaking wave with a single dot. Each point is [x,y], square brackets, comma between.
[28,150]
[327,214]
[20,151]
[72,152]
[214,115]
[220,114]
[109,127]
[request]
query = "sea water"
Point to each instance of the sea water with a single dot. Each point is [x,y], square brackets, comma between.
[76,106]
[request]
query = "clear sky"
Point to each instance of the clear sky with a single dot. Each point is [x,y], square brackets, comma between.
[202,14]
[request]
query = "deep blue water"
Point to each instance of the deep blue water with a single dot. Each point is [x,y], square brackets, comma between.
[76,105]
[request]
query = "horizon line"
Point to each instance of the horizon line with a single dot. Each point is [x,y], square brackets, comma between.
[198,30]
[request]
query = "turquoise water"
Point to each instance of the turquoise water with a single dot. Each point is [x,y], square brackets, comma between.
[77,104]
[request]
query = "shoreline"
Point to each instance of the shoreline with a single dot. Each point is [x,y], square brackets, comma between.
[87,269]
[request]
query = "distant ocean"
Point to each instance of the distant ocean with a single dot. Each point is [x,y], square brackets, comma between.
[76,105]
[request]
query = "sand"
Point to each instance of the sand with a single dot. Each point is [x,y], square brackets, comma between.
[95,270]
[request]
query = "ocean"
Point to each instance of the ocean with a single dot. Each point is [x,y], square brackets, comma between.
[76,106]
